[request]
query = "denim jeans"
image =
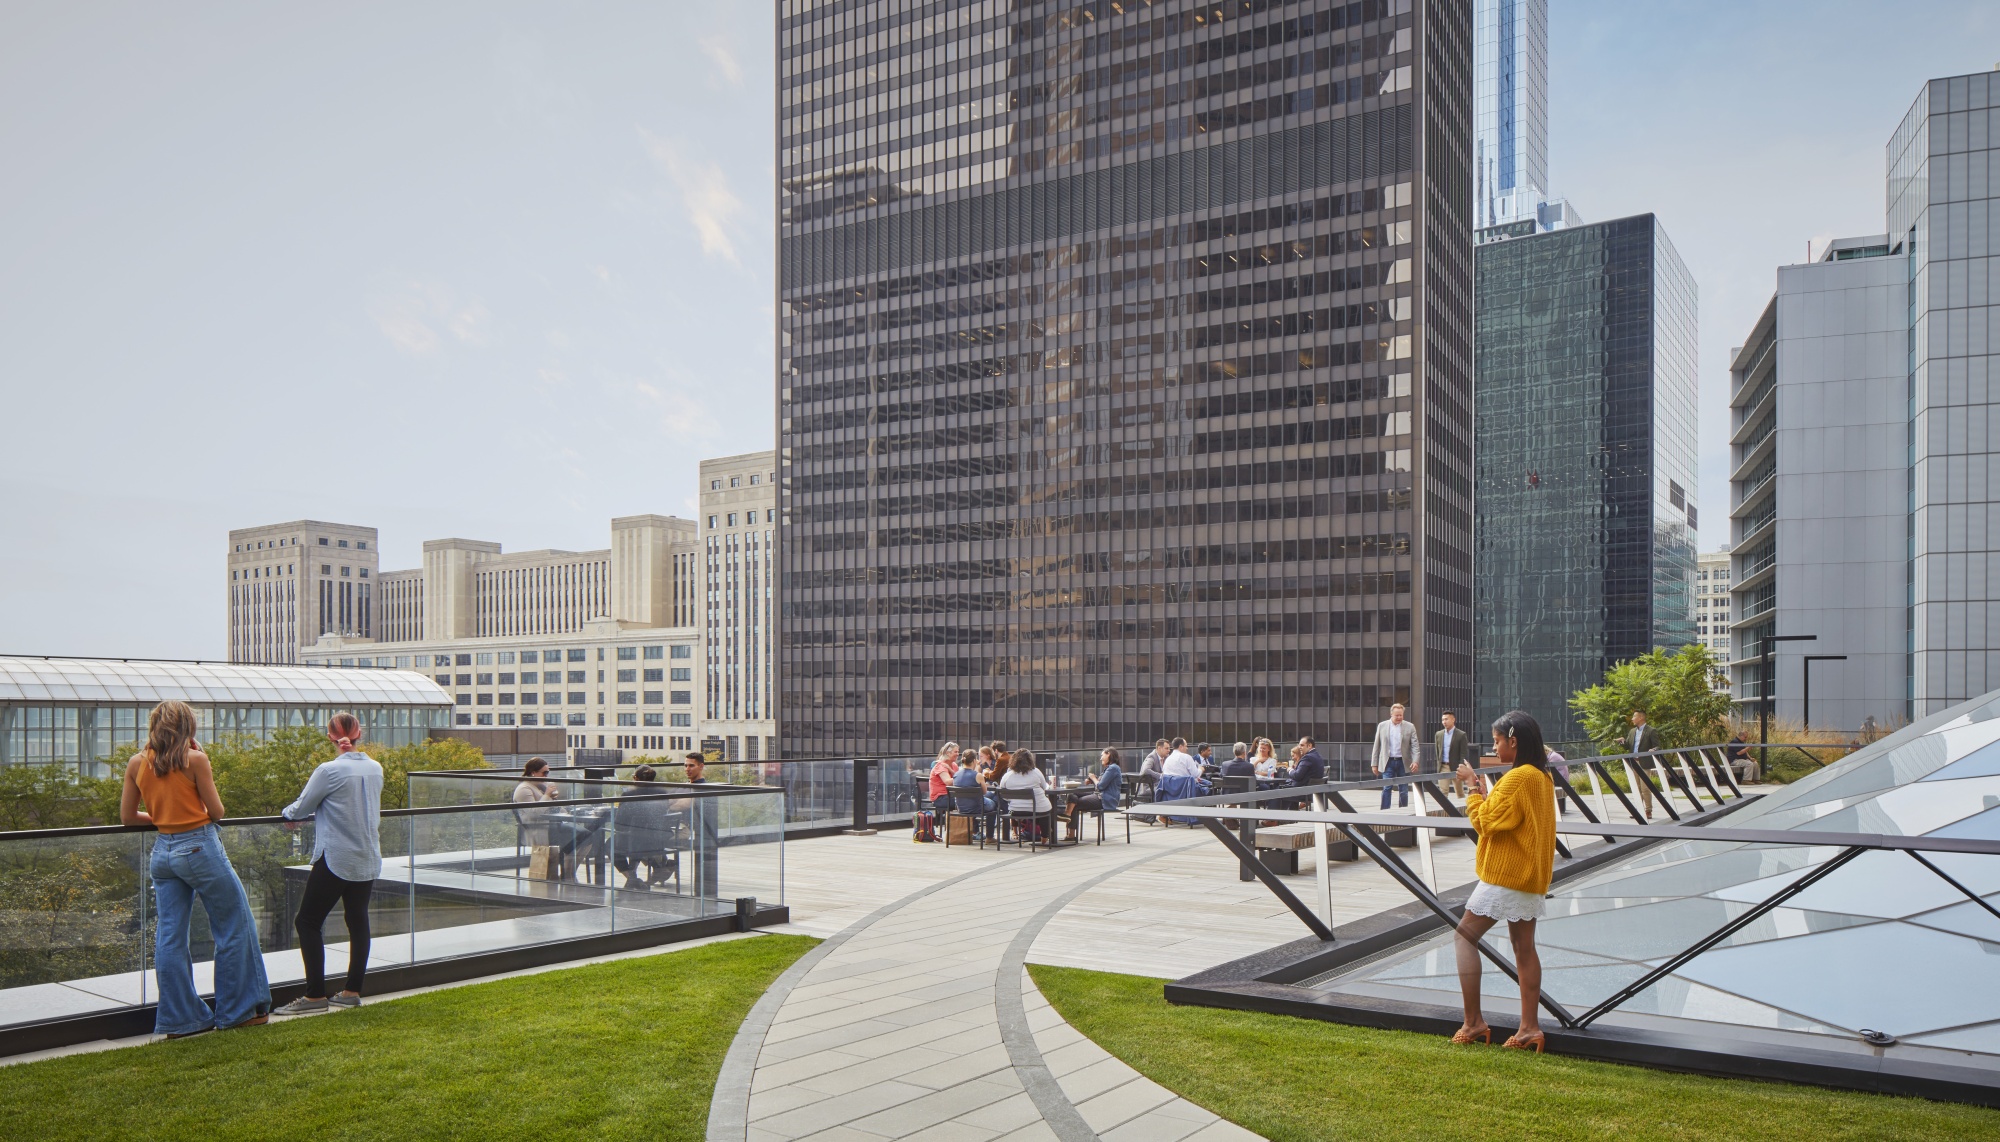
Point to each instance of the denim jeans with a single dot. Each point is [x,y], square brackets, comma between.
[185,866]
[1394,768]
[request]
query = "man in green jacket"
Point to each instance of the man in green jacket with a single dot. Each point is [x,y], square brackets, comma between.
[1453,746]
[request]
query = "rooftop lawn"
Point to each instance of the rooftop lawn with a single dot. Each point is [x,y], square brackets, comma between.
[1301,1080]
[627,1049]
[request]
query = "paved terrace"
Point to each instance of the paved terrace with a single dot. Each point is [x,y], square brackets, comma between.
[916,1018]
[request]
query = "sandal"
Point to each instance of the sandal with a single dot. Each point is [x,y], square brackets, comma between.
[1524,1040]
[1468,1035]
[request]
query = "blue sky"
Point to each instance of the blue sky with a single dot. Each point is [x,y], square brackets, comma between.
[502,270]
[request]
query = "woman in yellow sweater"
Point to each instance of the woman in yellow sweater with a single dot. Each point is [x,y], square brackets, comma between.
[1517,855]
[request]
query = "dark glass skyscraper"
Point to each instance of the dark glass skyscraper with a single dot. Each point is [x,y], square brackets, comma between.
[1125,361]
[1586,457]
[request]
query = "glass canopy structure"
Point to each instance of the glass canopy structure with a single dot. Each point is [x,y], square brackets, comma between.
[1881,949]
[77,711]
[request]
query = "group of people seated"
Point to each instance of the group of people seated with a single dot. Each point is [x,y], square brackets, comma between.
[972,782]
[650,829]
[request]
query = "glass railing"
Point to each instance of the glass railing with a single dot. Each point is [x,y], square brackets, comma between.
[476,877]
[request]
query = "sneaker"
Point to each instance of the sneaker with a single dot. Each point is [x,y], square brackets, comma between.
[302,1006]
[342,999]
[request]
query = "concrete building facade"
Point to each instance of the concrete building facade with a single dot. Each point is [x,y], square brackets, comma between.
[739,502]
[1712,608]
[1819,491]
[289,583]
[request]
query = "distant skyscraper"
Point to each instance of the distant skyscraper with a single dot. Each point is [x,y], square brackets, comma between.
[1942,202]
[1510,133]
[289,583]
[739,503]
[1819,419]
[1586,459]
[1711,607]
[1125,370]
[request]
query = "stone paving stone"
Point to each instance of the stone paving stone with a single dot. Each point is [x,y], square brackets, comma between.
[1123,1103]
[837,1110]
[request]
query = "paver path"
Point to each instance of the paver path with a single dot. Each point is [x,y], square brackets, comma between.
[919,1020]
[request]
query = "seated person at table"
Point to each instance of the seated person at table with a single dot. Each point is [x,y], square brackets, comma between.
[1265,758]
[1308,767]
[1204,755]
[1239,764]
[533,789]
[1022,774]
[969,784]
[645,833]
[1110,782]
[942,771]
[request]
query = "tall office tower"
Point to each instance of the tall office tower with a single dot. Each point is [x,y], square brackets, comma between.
[1125,369]
[1712,608]
[289,583]
[1586,461]
[1510,126]
[739,503]
[1944,177]
[1819,413]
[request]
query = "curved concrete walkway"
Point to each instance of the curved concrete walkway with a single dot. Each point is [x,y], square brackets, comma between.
[919,1020]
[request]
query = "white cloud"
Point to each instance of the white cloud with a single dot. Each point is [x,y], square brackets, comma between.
[704,191]
[410,316]
[718,53]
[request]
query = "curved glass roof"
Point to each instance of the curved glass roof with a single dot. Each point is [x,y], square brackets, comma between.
[1866,948]
[67,680]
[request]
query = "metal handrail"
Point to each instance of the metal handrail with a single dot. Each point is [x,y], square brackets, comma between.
[681,792]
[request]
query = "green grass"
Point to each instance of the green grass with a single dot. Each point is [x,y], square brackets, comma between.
[628,1049]
[1301,1080]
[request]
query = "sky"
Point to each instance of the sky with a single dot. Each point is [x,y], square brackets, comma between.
[502,270]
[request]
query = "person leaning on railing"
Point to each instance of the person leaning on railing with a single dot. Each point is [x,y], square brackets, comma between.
[172,778]
[343,797]
[1516,860]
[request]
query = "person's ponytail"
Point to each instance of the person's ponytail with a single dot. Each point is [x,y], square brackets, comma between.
[345,730]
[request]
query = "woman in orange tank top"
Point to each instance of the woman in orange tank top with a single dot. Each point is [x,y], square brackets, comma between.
[172,778]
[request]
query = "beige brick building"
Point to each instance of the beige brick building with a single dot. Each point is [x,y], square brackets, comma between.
[739,503]
[289,583]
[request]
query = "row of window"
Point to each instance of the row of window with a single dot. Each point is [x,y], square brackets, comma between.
[574,720]
[749,518]
[260,545]
[578,698]
[715,485]
[576,677]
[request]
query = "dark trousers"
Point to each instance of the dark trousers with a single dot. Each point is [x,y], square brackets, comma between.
[1394,768]
[322,889]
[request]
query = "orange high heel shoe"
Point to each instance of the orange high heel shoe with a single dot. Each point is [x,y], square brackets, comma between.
[1522,1041]
[1466,1035]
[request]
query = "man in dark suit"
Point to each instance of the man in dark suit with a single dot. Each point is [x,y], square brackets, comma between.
[1453,746]
[1311,766]
[1644,739]
[1239,764]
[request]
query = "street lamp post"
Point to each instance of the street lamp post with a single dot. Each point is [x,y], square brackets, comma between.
[1805,712]
[1770,695]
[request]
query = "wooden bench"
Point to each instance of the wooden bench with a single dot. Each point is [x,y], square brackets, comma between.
[1278,846]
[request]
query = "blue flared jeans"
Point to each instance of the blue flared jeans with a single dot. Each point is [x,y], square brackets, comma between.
[187,866]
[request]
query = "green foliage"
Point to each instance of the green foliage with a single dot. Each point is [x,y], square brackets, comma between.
[56,797]
[479,1061]
[258,778]
[1301,1080]
[1675,690]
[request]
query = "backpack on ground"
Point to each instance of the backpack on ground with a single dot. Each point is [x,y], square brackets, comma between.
[923,827]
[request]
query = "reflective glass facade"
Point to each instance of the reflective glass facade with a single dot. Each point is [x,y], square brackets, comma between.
[1586,461]
[1510,137]
[1125,355]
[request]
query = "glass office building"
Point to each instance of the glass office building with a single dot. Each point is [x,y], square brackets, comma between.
[1586,461]
[1125,359]
[81,711]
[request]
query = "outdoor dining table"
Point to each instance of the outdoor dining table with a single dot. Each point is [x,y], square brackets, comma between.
[585,828]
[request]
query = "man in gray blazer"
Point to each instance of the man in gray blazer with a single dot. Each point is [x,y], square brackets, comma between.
[1452,746]
[1395,753]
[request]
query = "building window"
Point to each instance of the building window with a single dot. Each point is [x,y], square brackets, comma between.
[628,719]
[463,719]
[578,654]
[628,653]
[577,676]
[443,679]
[484,658]
[486,699]
[684,650]
[713,486]
[465,680]
[577,720]
[711,521]
[486,680]
[464,660]
[485,719]
[628,675]
[506,719]
[656,652]
[578,698]
[322,541]
[770,515]
[552,698]
[326,568]
[528,719]
[653,697]
[506,679]
[361,545]
[527,656]
[628,697]
[655,674]
[679,719]
[732,523]
[753,481]
[683,697]
[441,660]
[681,674]
[506,699]
[364,572]
[527,697]
[343,543]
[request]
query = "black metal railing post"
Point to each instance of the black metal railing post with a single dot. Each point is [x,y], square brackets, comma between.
[861,767]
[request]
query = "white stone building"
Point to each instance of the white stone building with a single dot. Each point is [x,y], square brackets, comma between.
[739,504]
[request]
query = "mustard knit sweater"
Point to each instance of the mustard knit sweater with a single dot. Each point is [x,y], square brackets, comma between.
[1517,830]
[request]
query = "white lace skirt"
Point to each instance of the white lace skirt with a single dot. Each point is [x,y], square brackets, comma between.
[1510,904]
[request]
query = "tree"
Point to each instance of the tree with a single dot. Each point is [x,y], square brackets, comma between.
[1674,688]
[258,778]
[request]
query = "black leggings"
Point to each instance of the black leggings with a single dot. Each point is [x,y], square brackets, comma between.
[322,889]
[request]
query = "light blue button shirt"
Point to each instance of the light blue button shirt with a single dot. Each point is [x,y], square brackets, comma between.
[344,799]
